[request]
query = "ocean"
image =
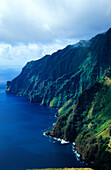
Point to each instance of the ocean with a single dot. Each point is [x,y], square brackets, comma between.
[22,143]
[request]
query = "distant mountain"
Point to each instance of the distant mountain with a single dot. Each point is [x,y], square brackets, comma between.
[76,80]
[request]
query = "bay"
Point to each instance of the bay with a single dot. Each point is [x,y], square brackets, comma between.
[22,143]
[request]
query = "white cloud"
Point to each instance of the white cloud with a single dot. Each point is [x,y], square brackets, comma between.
[18,55]
[47,20]
[29,29]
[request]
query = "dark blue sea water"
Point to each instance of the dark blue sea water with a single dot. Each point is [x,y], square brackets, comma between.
[22,143]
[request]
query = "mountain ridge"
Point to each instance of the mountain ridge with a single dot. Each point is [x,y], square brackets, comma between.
[68,62]
[77,80]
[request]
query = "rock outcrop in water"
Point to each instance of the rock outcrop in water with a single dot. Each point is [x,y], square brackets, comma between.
[77,80]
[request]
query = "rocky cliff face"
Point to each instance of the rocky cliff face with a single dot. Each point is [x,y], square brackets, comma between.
[77,80]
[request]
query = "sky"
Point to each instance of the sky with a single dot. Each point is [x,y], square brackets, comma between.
[30,29]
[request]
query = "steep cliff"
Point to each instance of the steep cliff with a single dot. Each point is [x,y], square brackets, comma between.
[56,78]
[77,80]
[88,122]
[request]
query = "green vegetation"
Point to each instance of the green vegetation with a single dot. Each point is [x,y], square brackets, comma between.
[66,107]
[54,102]
[77,80]
[89,124]
[57,78]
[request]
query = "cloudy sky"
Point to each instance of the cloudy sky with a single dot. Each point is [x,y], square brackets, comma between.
[29,29]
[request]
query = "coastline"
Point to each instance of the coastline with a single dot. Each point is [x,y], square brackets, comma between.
[75,151]
[62,141]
